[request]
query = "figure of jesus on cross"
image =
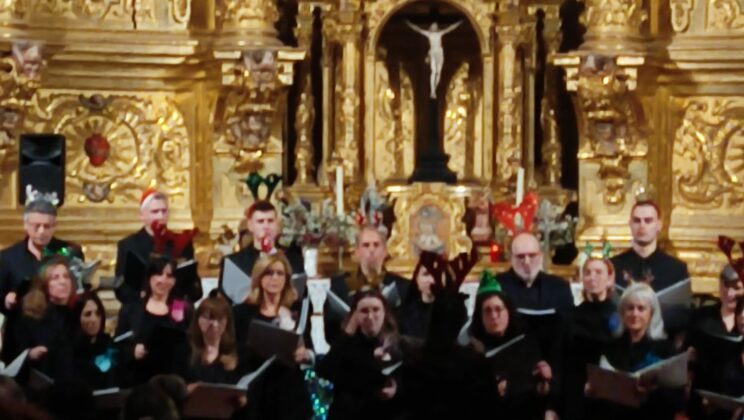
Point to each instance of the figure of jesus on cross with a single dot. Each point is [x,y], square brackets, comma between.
[436,53]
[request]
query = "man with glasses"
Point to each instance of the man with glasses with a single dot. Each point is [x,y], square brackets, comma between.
[527,285]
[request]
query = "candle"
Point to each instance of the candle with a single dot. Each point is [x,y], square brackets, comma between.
[495,253]
[339,191]
[520,185]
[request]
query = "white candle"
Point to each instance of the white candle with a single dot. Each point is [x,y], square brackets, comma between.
[339,191]
[520,185]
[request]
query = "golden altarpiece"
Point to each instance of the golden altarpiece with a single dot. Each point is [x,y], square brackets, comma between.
[192,96]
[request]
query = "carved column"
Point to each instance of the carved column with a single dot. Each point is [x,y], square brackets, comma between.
[603,77]
[551,147]
[305,111]
[20,77]
[511,103]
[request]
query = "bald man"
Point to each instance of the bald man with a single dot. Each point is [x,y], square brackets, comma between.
[527,285]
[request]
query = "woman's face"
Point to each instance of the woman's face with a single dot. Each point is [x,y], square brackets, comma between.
[636,315]
[212,327]
[370,314]
[162,284]
[59,284]
[90,319]
[729,293]
[495,316]
[596,278]
[274,279]
[424,281]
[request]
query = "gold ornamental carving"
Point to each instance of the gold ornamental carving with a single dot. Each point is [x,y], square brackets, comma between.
[610,116]
[725,14]
[428,217]
[257,15]
[459,121]
[256,88]
[304,117]
[681,14]
[612,15]
[117,145]
[20,77]
[709,153]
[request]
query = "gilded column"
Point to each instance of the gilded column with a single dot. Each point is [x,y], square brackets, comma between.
[511,106]
[551,146]
[305,111]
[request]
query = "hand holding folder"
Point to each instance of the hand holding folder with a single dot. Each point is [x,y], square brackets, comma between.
[219,401]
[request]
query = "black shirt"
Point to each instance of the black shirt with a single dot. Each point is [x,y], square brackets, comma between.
[546,292]
[53,331]
[142,244]
[19,265]
[660,269]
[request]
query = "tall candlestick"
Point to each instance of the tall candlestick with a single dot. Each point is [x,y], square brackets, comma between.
[520,185]
[339,191]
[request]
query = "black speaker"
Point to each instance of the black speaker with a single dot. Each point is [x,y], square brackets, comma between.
[41,164]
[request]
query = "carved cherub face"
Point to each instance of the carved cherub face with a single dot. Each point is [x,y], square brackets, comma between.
[28,57]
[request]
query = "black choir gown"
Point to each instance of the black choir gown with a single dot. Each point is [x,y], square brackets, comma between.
[515,365]
[660,268]
[280,392]
[96,362]
[661,404]
[414,314]
[165,340]
[18,266]
[357,378]
[143,245]
[53,331]
[714,353]
[592,325]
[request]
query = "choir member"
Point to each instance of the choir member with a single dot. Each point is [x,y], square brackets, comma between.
[355,363]
[370,253]
[592,324]
[20,262]
[263,224]
[153,212]
[640,341]
[94,355]
[159,323]
[644,261]
[523,378]
[47,321]
[214,354]
[544,301]
[415,311]
[280,393]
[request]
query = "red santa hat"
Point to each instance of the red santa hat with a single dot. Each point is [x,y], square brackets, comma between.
[148,195]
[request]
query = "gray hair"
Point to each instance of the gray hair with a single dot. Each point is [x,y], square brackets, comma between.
[40,206]
[646,294]
[728,274]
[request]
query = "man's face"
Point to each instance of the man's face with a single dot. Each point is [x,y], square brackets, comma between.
[371,250]
[264,224]
[155,211]
[526,257]
[645,225]
[40,228]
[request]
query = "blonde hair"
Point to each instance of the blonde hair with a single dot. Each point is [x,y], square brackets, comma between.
[289,294]
[646,294]
[35,302]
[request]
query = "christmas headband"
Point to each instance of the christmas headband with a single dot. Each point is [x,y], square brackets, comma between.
[726,245]
[488,283]
[606,250]
[33,195]
[149,195]
[255,180]
[371,206]
[448,275]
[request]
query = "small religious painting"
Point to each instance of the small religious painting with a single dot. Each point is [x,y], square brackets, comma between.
[429,229]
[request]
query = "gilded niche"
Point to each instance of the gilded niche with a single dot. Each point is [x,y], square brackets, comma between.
[117,145]
[709,153]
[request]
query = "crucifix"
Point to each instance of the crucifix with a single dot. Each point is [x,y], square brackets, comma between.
[436,53]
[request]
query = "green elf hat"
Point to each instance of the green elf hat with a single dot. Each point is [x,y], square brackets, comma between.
[488,283]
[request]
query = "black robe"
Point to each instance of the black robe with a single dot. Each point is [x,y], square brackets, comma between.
[142,244]
[18,266]
[165,339]
[591,328]
[661,404]
[85,354]
[280,392]
[214,373]
[357,378]
[660,268]
[53,331]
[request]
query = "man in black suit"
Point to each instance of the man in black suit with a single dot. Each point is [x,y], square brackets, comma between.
[263,224]
[153,210]
[20,262]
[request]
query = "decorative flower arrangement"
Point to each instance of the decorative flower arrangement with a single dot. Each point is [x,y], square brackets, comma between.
[304,226]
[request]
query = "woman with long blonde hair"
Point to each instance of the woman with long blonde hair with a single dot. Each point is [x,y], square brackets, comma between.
[282,393]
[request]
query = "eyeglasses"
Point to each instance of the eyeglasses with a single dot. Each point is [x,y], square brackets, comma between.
[525,255]
[271,272]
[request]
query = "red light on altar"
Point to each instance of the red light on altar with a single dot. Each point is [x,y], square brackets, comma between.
[495,253]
